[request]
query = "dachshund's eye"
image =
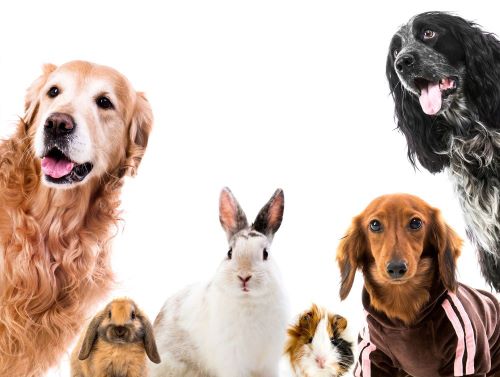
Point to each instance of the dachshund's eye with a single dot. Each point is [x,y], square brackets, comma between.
[230,253]
[415,223]
[335,342]
[109,314]
[428,34]
[53,92]
[132,315]
[265,254]
[104,103]
[375,226]
[395,53]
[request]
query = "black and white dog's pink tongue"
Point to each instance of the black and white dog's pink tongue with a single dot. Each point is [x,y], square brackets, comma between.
[430,98]
[56,168]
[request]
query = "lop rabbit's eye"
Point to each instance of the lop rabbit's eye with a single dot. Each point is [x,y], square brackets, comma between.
[109,314]
[53,92]
[265,254]
[132,315]
[230,254]
[375,226]
[415,223]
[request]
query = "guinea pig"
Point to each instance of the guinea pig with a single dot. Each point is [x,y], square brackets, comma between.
[115,343]
[316,346]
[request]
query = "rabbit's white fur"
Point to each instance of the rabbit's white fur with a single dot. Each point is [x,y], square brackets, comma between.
[218,329]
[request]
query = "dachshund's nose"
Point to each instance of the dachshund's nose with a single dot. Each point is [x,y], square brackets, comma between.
[120,331]
[397,269]
[58,124]
[404,62]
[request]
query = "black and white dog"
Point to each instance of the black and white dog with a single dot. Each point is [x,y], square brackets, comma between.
[444,76]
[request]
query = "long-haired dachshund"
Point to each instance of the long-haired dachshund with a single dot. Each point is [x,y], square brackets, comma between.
[444,76]
[61,172]
[420,320]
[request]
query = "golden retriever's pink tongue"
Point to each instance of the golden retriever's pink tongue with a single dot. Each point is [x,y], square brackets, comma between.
[56,168]
[430,98]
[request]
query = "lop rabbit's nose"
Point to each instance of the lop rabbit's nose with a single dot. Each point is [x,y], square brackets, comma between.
[120,331]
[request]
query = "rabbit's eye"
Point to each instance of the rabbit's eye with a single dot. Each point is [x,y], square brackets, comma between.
[265,254]
[230,254]
[132,315]
[109,314]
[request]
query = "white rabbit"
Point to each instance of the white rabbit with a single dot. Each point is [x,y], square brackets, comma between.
[234,325]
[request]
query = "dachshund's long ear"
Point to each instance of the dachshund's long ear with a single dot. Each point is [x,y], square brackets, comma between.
[350,252]
[448,246]
[482,54]
[32,98]
[90,336]
[149,339]
[139,130]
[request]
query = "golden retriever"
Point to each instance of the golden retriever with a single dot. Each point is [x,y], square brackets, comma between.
[83,130]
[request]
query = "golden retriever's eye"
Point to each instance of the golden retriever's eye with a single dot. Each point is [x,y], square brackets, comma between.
[415,223]
[375,226]
[53,92]
[428,34]
[132,315]
[104,103]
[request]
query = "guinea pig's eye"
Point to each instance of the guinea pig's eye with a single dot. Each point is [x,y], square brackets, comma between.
[375,226]
[230,253]
[415,223]
[395,53]
[265,254]
[104,103]
[428,34]
[334,341]
[132,315]
[53,92]
[310,340]
[109,314]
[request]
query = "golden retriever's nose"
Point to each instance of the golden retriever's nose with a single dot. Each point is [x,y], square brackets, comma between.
[396,269]
[58,124]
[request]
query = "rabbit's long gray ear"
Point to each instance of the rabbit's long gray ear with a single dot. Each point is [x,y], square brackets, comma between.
[149,339]
[90,337]
[231,216]
[268,220]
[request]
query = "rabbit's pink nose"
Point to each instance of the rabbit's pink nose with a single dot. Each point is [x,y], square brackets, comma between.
[245,279]
[320,360]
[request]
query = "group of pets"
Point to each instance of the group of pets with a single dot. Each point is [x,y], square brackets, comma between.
[85,128]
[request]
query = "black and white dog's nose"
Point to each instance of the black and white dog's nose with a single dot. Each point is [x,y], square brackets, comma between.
[404,62]
[58,124]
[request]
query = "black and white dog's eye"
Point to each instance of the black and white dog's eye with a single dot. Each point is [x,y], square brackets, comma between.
[230,254]
[415,223]
[265,254]
[395,53]
[428,34]
[375,226]
[53,92]
[104,102]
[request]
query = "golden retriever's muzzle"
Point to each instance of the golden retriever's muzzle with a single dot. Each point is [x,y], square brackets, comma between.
[57,165]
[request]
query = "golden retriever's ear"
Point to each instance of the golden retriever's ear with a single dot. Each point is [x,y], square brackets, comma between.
[350,252]
[139,130]
[90,336]
[448,246]
[149,339]
[31,100]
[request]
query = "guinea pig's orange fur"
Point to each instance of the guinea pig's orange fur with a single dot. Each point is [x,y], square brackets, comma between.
[96,356]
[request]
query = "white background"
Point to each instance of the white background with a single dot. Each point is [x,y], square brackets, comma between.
[254,95]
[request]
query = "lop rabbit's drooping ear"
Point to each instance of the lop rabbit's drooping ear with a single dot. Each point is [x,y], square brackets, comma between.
[269,219]
[90,337]
[149,339]
[231,216]
[448,246]
[350,252]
